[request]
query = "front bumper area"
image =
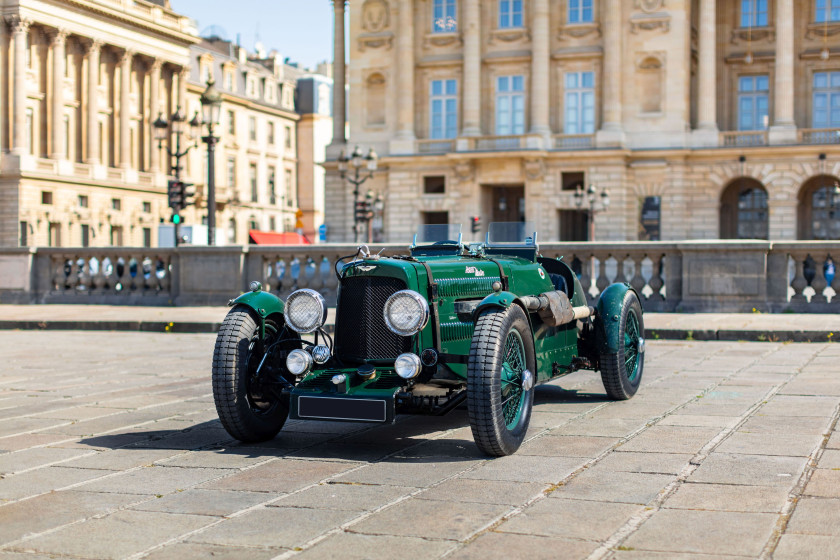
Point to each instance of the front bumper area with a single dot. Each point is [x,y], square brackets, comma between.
[352,400]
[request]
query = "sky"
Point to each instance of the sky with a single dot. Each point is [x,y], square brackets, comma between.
[298,29]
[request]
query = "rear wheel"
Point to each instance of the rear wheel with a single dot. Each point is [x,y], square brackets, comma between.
[500,379]
[621,371]
[249,405]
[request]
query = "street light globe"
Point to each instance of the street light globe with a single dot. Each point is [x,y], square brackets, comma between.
[211,104]
[356,158]
[372,160]
[605,198]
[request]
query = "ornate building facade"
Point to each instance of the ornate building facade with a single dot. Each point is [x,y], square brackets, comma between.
[702,118]
[82,83]
[256,158]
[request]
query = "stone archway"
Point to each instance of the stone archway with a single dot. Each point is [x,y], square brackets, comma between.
[819,208]
[744,210]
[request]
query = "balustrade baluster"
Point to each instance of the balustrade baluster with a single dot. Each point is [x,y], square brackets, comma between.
[585,278]
[638,281]
[799,283]
[818,283]
[330,282]
[621,272]
[602,282]
[317,281]
[656,281]
[83,275]
[98,276]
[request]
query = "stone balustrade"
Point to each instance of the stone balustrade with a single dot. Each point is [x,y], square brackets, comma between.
[691,276]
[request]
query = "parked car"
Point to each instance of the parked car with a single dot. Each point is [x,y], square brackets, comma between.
[423,332]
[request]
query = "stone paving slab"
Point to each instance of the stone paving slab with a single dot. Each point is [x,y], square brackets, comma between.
[121,456]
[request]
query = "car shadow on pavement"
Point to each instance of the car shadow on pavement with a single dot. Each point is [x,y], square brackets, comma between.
[413,438]
[553,394]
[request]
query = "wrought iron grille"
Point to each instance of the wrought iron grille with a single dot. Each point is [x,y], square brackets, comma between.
[360,330]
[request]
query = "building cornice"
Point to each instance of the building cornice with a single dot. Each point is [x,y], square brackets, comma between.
[170,33]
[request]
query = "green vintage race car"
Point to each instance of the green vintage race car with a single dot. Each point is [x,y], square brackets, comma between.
[422,333]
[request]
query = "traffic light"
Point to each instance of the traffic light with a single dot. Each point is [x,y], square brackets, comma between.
[187,194]
[475,224]
[361,210]
[176,218]
[176,197]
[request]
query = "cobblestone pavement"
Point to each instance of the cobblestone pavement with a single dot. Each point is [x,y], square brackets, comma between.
[110,448]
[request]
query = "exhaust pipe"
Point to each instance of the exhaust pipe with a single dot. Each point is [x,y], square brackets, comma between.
[555,309]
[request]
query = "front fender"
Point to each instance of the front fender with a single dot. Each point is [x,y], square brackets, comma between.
[264,305]
[608,313]
[502,300]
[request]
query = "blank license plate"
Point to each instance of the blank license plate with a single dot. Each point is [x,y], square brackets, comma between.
[332,408]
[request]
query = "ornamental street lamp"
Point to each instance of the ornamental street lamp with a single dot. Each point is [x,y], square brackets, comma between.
[211,108]
[362,207]
[176,127]
[592,206]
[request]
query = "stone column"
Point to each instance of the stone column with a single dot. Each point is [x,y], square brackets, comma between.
[404,142]
[93,102]
[154,109]
[611,133]
[20,28]
[783,130]
[59,54]
[540,69]
[471,82]
[339,76]
[183,75]
[706,133]
[125,121]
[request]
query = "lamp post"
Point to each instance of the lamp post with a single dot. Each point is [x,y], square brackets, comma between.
[211,108]
[176,126]
[592,206]
[357,161]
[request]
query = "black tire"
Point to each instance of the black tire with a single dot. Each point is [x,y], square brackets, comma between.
[492,432]
[246,414]
[622,371]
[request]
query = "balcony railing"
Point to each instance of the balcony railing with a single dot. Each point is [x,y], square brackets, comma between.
[743,138]
[818,135]
[504,142]
[573,141]
[437,146]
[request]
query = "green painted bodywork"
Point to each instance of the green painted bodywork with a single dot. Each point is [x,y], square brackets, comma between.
[460,278]
[263,303]
[607,318]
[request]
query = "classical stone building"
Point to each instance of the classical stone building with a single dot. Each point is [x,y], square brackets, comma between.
[82,82]
[709,118]
[256,158]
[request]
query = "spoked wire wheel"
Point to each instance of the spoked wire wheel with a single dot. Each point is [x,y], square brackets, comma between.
[500,380]
[513,394]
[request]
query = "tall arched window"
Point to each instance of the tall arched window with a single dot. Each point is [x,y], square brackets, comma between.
[744,211]
[819,208]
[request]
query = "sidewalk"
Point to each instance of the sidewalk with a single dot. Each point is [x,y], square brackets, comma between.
[673,326]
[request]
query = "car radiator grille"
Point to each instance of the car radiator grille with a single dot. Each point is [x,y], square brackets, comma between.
[360,330]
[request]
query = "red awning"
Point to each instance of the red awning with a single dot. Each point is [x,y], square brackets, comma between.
[258,237]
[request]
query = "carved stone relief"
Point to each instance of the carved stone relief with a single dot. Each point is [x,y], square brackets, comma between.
[649,5]
[376,16]
[534,169]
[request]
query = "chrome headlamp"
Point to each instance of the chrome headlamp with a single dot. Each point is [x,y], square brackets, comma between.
[299,362]
[306,311]
[406,312]
[407,365]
